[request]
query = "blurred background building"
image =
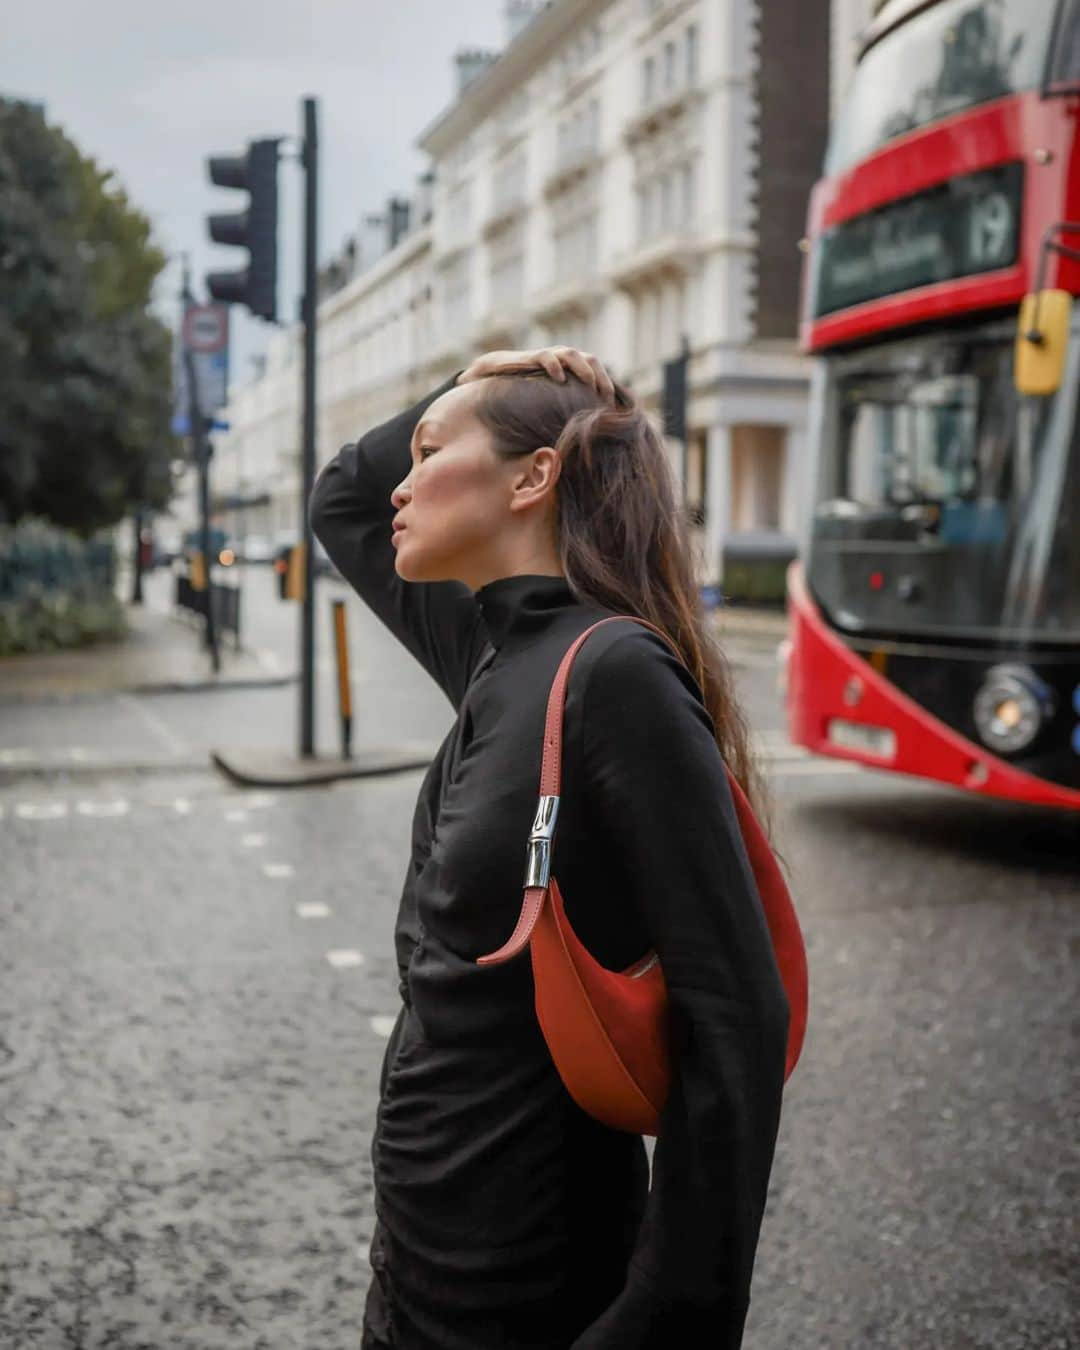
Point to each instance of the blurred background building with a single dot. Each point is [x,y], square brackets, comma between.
[623,174]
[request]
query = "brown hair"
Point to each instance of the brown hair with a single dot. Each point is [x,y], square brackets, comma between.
[622,538]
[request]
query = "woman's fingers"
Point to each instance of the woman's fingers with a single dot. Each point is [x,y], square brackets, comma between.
[605,385]
[553,361]
[549,358]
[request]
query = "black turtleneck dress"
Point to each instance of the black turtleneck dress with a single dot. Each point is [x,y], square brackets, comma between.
[507,1219]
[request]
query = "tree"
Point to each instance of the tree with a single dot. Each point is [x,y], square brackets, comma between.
[85,377]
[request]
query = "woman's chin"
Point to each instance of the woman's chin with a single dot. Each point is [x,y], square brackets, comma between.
[407,568]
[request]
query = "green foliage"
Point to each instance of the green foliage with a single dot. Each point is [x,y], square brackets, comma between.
[56,590]
[85,378]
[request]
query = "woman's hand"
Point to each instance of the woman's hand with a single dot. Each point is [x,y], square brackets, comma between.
[555,361]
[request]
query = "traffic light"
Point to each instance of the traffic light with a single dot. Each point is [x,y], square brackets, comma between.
[254,229]
[674,398]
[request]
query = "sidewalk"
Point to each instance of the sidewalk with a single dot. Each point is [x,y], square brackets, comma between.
[750,622]
[161,654]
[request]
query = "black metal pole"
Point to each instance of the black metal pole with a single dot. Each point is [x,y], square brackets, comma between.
[307,625]
[201,444]
[137,574]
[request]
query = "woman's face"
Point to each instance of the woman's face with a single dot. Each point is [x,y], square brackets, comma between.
[455,501]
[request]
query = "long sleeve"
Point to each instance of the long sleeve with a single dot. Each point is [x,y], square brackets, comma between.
[657,786]
[350,512]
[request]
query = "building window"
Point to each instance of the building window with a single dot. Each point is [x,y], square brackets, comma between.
[459,211]
[688,194]
[648,80]
[507,253]
[456,299]
[691,50]
[578,136]
[666,219]
[669,66]
[509,187]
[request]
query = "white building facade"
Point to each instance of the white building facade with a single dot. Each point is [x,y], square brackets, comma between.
[606,182]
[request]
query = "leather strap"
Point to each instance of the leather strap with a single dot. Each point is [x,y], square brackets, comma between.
[551,781]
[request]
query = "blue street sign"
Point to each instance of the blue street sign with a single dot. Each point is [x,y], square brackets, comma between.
[181,426]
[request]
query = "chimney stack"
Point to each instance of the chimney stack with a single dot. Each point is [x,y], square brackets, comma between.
[471,63]
[519,14]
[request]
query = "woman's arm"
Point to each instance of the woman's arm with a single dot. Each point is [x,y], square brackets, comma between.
[351,511]
[658,788]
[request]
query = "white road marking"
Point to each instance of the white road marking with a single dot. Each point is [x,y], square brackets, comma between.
[313,909]
[41,810]
[258,801]
[342,958]
[160,728]
[253,840]
[236,817]
[382,1025]
[278,871]
[16,755]
[182,806]
[78,754]
[103,809]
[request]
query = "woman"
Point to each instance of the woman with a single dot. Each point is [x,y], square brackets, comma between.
[487,527]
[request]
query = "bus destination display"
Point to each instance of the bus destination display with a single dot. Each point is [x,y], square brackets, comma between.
[962,227]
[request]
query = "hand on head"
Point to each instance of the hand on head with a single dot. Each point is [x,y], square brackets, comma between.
[554,361]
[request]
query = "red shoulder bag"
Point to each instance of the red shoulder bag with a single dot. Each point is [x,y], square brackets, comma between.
[607,1030]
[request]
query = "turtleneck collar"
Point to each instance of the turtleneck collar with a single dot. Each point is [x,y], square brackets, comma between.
[519,607]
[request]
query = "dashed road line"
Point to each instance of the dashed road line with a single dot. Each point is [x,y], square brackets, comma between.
[103,810]
[253,840]
[158,725]
[278,871]
[41,810]
[313,909]
[382,1025]
[344,958]
[182,806]
[236,817]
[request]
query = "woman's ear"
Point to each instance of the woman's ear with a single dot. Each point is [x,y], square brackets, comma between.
[537,479]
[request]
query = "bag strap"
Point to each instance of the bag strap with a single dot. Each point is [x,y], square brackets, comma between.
[542,835]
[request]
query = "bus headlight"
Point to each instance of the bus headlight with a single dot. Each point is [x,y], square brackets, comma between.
[1011,708]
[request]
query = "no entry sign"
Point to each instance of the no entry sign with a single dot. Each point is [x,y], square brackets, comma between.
[206,328]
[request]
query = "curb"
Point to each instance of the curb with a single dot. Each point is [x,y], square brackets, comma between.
[97,768]
[263,769]
[93,694]
[208,686]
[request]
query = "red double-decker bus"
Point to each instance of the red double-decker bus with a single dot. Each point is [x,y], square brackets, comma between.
[935,612]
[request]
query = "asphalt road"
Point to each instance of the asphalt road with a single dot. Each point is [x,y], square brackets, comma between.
[196,983]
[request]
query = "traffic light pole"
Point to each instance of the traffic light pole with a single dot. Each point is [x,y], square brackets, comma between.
[310,317]
[201,443]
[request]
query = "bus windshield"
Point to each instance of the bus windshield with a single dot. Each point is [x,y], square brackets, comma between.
[946,58]
[947,504]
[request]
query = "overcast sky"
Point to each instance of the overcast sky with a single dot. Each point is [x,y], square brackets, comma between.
[150,89]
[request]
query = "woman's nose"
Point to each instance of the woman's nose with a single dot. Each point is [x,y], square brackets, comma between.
[400,495]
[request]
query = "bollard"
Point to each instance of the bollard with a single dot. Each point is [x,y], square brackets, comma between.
[344,685]
[197,572]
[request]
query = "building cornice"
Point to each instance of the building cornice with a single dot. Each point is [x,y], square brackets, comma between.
[505,75]
[407,251]
[653,118]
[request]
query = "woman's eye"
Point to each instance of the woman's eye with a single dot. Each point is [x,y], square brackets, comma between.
[426,450]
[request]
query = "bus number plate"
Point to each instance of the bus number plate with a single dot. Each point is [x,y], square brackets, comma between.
[867,740]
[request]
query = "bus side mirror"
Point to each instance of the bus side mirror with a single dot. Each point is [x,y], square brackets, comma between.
[1042,337]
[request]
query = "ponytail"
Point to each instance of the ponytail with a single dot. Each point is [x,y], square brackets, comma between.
[622,539]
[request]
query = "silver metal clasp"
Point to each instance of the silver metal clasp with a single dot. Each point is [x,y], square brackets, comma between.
[541,837]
